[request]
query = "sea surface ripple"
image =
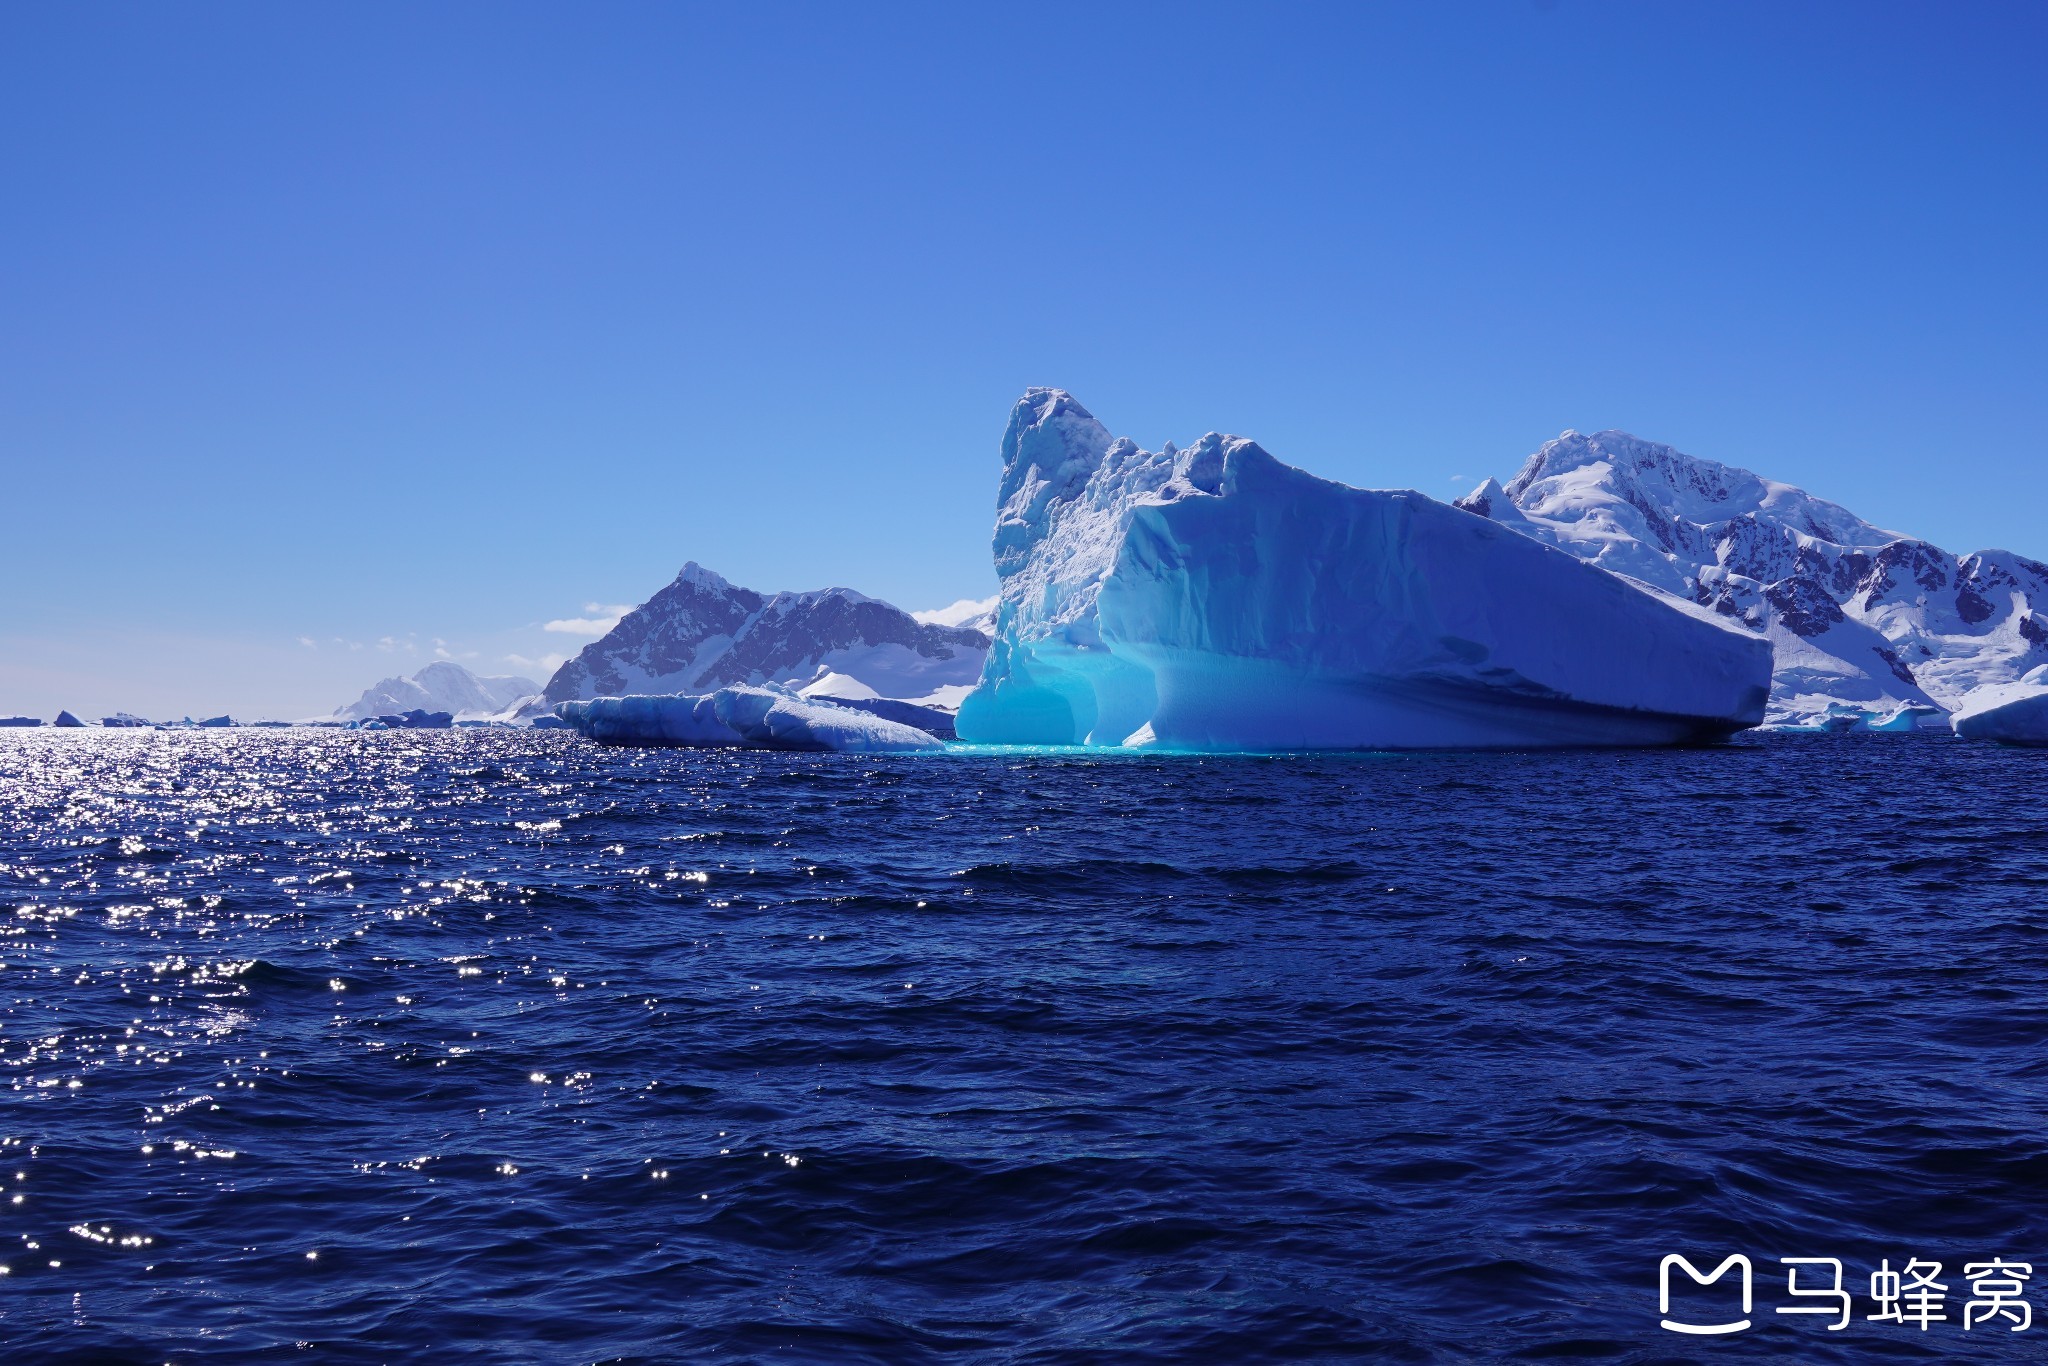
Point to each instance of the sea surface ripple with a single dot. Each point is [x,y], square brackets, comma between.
[474,1046]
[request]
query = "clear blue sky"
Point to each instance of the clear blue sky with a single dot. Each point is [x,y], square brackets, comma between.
[437,322]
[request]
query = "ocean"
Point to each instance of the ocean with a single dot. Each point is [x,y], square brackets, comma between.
[498,1046]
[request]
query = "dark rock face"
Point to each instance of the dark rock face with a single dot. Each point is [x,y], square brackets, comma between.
[702,632]
[661,637]
[1898,666]
[1803,605]
[806,626]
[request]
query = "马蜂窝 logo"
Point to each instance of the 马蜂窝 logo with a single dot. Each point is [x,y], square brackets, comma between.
[1704,1329]
[1913,1296]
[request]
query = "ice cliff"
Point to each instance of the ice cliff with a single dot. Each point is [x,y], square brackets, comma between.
[1867,627]
[1214,598]
[702,632]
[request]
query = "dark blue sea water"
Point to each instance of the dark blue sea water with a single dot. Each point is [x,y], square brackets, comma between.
[501,1047]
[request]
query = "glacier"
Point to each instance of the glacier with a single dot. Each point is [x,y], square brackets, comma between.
[1869,629]
[2012,713]
[1215,598]
[756,717]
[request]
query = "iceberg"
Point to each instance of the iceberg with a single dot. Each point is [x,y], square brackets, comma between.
[2011,713]
[11,721]
[122,720]
[767,716]
[416,719]
[1841,718]
[67,720]
[1215,598]
[934,721]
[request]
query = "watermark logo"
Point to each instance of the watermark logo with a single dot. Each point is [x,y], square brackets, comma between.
[1707,1329]
[1914,1296]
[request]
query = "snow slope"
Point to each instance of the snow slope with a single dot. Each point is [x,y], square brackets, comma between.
[702,632]
[1217,599]
[1860,620]
[769,717]
[442,686]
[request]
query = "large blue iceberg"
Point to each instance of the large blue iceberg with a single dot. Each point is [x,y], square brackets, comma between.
[1216,599]
[768,716]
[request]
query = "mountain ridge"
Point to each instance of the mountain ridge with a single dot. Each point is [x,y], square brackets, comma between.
[441,686]
[1860,618]
[701,632]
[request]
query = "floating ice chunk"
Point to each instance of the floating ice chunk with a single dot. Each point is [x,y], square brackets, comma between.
[2011,713]
[416,719]
[1216,599]
[11,721]
[1808,715]
[763,717]
[67,720]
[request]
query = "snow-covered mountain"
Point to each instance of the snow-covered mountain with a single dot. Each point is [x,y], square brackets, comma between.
[441,686]
[702,632]
[1861,621]
[976,614]
[1216,599]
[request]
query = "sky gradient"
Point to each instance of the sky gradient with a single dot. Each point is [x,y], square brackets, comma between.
[335,336]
